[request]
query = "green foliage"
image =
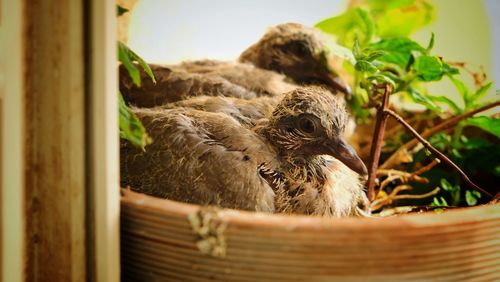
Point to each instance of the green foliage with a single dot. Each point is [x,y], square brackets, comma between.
[383,19]
[398,50]
[488,124]
[471,197]
[378,34]
[127,57]
[453,192]
[131,128]
[355,22]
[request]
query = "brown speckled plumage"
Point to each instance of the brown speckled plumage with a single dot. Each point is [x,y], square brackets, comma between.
[211,159]
[287,56]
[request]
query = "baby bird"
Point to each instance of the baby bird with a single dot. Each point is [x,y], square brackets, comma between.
[287,56]
[293,161]
[299,52]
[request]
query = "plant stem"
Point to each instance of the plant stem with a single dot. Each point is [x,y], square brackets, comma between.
[455,139]
[440,155]
[440,127]
[378,138]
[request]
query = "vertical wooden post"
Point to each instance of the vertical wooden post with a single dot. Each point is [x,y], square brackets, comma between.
[103,153]
[55,140]
[12,139]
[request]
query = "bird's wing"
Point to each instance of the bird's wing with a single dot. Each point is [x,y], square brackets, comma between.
[261,81]
[246,112]
[173,85]
[199,157]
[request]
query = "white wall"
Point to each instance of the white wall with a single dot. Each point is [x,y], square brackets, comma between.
[175,30]
[170,31]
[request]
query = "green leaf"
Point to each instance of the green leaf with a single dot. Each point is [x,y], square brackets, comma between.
[439,202]
[471,197]
[371,56]
[481,92]
[382,79]
[131,128]
[365,66]
[354,22]
[445,100]
[341,52]
[127,57]
[423,100]
[448,70]
[381,6]
[474,143]
[428,68]
[431,43]
[453,190]
[446,185]
[399,50]
[488,124]
[404,20]
[120,10]
[462,89]
[356,50]
[440,141]
[143,64]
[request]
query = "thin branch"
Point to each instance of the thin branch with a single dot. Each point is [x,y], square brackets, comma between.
[394,195]
[440,127]
[440,155]
[403,176]
[378,138]
[426,167]
[420,196]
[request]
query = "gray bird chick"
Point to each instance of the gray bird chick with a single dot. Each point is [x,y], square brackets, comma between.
[286,57]
[299,52]
[294,161]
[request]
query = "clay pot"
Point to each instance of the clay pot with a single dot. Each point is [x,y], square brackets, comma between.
[163,240]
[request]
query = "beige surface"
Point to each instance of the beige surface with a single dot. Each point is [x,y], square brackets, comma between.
[12,121]
[102,155]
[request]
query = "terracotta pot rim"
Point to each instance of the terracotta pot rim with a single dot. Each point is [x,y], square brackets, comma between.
[281,221]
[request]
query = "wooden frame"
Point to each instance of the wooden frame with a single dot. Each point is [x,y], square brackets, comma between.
[60,201]
[103,163]
[12,150]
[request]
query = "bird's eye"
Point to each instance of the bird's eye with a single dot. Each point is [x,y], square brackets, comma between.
[306,125]
[300,49]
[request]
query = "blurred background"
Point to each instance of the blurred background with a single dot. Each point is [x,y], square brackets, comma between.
[170,31]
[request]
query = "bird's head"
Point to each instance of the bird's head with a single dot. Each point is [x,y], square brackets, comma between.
[309,121]
[297,51]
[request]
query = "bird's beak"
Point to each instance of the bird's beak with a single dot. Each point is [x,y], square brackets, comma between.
[338,83]
[342,151]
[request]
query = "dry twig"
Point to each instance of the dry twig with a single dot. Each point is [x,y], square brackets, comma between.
[391,161]
[393,196]
[378,138]
[440,155]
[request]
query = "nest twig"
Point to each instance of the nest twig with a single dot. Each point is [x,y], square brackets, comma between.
[394,196]
[436,152]
[446,124]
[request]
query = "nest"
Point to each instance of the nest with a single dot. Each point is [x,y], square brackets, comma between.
[164,240]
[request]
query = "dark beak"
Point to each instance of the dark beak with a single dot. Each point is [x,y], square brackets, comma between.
[342,151]
[336,83]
